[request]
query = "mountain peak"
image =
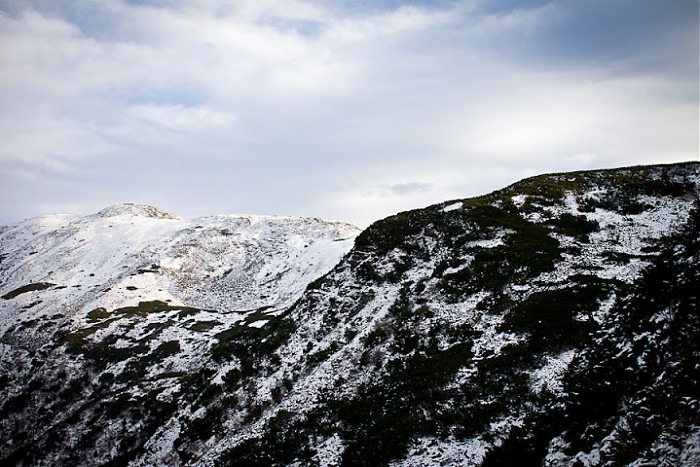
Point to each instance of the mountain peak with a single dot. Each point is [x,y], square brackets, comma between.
[138,210]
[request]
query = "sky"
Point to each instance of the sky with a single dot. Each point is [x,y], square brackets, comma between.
[351,110]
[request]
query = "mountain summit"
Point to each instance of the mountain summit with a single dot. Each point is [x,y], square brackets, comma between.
[130,209]
[553,322]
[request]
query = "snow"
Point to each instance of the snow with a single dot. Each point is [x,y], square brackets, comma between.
[444,452]
[306,392]
[519,200]
[132,253]
[329,452]
[604,308]
[164,257]
[226,268]
[690,455]
[548,377]
[223,370]
[491,341]
[453,206]
[555,453]
[160,448]
[258,324]
[169,393]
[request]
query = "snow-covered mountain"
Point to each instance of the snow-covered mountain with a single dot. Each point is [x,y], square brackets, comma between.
[147,283]
[554,322]
[128,253]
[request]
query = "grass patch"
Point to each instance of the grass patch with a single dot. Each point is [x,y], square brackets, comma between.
[27,288]
[97,314]
[155,306]
[203,326]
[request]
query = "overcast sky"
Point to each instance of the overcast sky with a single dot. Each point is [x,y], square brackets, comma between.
[341,109]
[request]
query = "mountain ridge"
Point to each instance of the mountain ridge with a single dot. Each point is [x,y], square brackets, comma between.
[476,331]
[132,209]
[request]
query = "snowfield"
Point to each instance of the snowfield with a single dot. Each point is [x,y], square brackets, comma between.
[128,253]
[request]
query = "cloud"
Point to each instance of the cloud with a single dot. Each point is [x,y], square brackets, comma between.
[180,118]
[569,112]
[390,189]
[522,21]
[391,25]
[409,188]
[332,109]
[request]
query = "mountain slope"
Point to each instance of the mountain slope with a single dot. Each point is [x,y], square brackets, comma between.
[449,333]
[96,310]
[553,322]
[642,371]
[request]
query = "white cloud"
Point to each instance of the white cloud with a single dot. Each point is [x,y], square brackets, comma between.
[522,21]
[388,25]
[180,118]
[358,113]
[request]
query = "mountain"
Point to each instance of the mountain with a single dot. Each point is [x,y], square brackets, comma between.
[103,308]
[553,322]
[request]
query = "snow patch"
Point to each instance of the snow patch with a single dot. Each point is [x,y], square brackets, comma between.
[259,323]
[444,452]
[453,206]
[519,200]
[548,377]
[329,452]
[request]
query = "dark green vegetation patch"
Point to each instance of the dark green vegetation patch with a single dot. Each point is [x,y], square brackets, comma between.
[154,306]
[27,288]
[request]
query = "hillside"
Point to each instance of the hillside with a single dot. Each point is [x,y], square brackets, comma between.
[99,309]
[554,322]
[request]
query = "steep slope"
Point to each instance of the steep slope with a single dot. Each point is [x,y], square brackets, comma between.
[635,392]
[480,331]
[554,322]
[102,309]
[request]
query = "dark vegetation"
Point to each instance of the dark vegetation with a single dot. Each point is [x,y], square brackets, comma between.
[27,288]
